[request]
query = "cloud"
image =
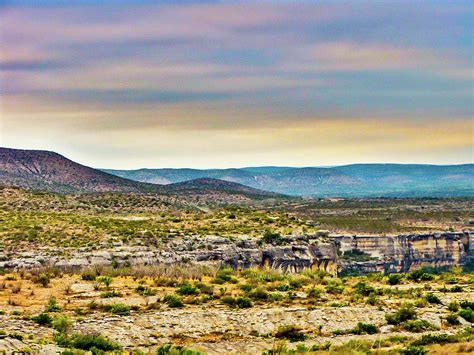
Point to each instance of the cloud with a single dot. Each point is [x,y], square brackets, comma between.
[221,69]
[31,65]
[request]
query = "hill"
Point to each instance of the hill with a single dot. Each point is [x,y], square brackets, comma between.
[50,171]
[357,180]
[209,187]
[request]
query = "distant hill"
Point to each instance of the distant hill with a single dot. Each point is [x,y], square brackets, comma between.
[357,180]
[50,171]
[206,186]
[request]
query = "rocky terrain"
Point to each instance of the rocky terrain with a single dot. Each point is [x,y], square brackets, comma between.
[331,253]
[141,308]
[93,263]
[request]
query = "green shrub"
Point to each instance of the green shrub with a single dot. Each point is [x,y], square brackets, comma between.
[452,319]
[187,289]
[89,275]
[432,298]
[275,296]
[42,319]
[314,293]
[16,336]
[43,279]
[244,302]
[364,328]
[419,275]
[61,324]
[296,282]
[89,342]
[467,314]
[283,287]
[372,299]
[406,312]
[356,255]
[321,346]
[174,301]
[229,301]
[170,349]
[456,288]
[272,238]
[467,305]
[110,294]
[394,279]
[363,289]
[52,305]
[262,275]
[453,306]
[204,288]
[418,325]
[334,288]
[224,275]
[118,308]
[145,291]
[246,287]
[290,332]
[259,294]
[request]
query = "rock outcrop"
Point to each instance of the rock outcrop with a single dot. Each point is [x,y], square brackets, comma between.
[336,253]
[402,253]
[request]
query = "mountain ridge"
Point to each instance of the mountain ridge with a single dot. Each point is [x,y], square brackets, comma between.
[352,180]
[50,171]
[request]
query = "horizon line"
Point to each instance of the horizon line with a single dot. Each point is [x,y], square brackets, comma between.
[329,166]
[285,166]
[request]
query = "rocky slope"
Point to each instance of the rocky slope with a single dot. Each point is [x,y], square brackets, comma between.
[50,171]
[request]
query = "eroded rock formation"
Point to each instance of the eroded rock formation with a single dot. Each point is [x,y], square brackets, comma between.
[403,253]
[335,253]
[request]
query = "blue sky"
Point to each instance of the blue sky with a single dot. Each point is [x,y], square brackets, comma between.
[125,84]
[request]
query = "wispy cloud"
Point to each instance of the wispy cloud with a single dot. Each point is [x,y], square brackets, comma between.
[94,67]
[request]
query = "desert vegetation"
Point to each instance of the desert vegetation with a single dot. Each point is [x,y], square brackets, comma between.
[284,313]
[182,307]
[29,219]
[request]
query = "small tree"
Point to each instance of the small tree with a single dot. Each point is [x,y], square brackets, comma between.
[62,324]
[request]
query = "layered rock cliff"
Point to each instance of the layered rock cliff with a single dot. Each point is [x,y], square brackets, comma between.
[402,253]
[337,253]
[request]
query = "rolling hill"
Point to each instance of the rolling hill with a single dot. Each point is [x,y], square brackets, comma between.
[357,180]
[50,171]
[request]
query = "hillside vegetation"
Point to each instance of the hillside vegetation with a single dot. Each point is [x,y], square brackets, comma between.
[50,171]
[359,180]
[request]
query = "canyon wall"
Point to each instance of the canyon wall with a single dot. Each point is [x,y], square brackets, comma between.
[402,253]
[334,253]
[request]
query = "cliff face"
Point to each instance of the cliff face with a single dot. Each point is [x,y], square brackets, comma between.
[365,254]
[402,253]
[334,254]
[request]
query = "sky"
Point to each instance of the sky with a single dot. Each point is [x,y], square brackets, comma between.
[133,84]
